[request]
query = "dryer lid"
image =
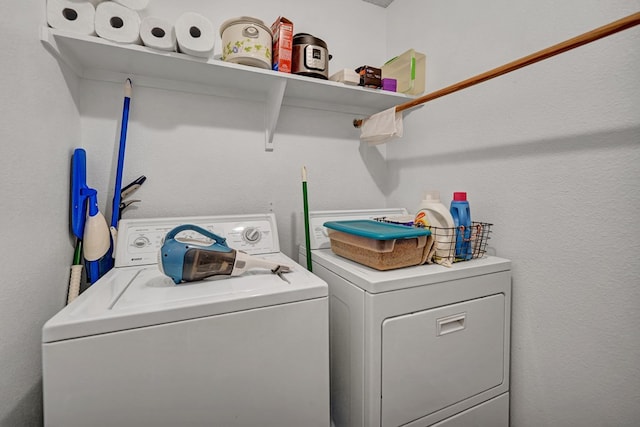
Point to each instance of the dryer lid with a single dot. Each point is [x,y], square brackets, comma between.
[376,281]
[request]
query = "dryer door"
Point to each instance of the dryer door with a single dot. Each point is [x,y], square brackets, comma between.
[436,358]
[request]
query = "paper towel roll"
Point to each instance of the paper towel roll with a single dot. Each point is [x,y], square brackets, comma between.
[71,16]
[117,23]
[195,35]
[134,4]
[158,33]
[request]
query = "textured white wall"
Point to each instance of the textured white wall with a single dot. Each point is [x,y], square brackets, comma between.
[39,125]
[201,154]
[355,32]
[549,154]
[205,155]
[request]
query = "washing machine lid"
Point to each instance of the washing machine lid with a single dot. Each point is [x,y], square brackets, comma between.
[134,297]
[376,281]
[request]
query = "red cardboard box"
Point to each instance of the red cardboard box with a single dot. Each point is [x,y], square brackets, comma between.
[282,30]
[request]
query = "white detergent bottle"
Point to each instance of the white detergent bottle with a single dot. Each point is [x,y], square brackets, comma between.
[437,217]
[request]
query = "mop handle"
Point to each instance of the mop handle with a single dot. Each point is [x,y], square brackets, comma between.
[305,201]
[115,208]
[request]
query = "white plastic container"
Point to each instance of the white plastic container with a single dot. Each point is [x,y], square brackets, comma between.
[346,76]
[440,222]
[409,71]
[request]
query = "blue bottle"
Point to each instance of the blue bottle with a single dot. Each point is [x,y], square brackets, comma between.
[462,218]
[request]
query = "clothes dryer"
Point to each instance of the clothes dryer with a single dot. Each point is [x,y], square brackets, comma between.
[417,346]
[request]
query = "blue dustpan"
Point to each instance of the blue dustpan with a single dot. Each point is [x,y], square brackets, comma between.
[79,192]
[92,229]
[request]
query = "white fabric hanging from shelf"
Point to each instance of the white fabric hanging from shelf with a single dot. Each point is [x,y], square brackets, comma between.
[382,127]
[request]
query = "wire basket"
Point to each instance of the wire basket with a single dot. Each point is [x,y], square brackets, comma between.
[468,244]
[459,244]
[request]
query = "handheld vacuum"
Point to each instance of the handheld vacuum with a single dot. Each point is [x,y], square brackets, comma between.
[189,259]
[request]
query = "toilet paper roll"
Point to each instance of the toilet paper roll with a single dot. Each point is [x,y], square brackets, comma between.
[71,16]
[195,35]
[158,33]
[117,23]
[134,4]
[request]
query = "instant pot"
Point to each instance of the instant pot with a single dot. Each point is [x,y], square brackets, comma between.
[310,56]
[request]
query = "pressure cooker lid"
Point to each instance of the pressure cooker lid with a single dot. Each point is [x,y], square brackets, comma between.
[244,20]
[304,38]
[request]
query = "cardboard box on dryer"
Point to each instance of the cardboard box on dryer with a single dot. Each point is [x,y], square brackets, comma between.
[282,30]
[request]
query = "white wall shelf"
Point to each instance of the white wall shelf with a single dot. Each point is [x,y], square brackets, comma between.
[94,58]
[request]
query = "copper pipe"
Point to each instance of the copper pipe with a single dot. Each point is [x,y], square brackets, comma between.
[593,35]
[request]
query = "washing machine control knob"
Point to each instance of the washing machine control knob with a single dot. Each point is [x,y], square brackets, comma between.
[251,235]
[141,242]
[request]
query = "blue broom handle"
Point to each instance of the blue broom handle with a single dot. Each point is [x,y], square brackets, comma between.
[115,210]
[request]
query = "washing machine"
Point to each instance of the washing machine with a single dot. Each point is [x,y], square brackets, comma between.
[135,349]
[418,346]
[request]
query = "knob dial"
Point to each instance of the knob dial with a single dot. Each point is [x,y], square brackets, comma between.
[141,242]
[251,235]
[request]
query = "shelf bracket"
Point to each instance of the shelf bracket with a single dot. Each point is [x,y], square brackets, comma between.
[272,107]
[50,44]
